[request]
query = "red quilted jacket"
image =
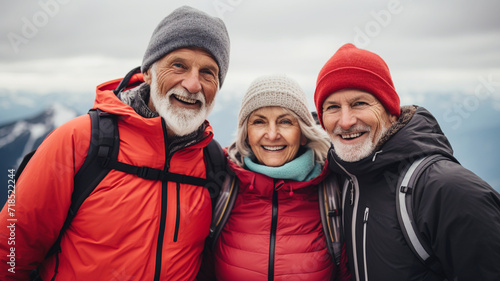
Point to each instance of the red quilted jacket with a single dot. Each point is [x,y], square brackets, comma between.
[274,230]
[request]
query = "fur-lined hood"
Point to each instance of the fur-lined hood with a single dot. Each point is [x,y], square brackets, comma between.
[407,113]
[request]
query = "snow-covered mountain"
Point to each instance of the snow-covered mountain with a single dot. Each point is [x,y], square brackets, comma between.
[28,133]
[20,137]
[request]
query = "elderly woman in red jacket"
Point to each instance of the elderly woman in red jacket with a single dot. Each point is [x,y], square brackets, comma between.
[274,231]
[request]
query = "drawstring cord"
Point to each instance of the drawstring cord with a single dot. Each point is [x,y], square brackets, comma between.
[281,185]
[375,155]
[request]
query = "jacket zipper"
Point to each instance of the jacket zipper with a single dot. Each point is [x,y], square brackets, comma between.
[161,234]
[365,223]
[272,243]
[163,211]
[353,201]
[178,215]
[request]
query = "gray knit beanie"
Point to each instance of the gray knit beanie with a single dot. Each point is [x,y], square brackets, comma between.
[275,90]
[189,27]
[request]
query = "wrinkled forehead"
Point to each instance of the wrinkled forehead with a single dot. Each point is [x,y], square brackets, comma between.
[350,95]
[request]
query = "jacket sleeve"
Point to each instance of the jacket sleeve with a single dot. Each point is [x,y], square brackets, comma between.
[31,223]
[459,214]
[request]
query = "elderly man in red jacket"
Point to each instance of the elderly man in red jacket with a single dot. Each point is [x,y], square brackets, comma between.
[129,227]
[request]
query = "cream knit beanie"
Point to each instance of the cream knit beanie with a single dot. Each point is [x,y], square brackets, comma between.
[275,90]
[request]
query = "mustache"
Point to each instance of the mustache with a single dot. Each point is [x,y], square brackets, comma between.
[182,92]
[354,129]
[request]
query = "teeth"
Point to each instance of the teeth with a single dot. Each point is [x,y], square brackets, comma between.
[186,100]
[351,136]
[273,148]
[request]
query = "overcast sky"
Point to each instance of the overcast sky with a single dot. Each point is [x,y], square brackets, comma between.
[430,45]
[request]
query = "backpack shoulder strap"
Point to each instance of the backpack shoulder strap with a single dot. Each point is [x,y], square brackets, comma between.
[23,164]
[104,144]
[404,208]
[223,207]
[215,168]
[104,141]
[330,210]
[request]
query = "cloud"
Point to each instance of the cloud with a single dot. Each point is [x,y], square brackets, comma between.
[446,45]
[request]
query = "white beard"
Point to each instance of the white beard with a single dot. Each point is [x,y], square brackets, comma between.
[181,121]
[358,151]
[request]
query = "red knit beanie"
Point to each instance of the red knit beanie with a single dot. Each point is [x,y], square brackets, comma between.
[353,68]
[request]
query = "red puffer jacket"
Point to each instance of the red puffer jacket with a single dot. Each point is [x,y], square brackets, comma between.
[128,228]
[274,230]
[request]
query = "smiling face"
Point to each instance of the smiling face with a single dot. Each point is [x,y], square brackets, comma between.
[355,121]
[274,136]
[183,87]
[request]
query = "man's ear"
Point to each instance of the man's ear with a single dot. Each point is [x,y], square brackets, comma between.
[147,76]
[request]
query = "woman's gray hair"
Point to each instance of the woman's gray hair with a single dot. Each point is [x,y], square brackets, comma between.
[317,140]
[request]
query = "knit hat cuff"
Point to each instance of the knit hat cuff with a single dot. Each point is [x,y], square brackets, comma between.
[294,104]
[349,78]
[272,99]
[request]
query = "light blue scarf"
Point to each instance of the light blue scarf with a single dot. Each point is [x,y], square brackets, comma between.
[302,168]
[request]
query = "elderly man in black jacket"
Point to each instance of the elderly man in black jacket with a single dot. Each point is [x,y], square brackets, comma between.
[455,213]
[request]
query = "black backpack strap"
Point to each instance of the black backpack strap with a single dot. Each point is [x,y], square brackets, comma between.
[404,206]
[217,170]
[104,144]
[152,173]
[330,211]
[104,140]
[223,188]
[23,164]
[223,207]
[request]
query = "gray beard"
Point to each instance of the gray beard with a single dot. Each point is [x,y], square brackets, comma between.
[354,153]
[180,121]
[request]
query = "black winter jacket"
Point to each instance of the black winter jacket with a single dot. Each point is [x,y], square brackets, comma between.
[456,211]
